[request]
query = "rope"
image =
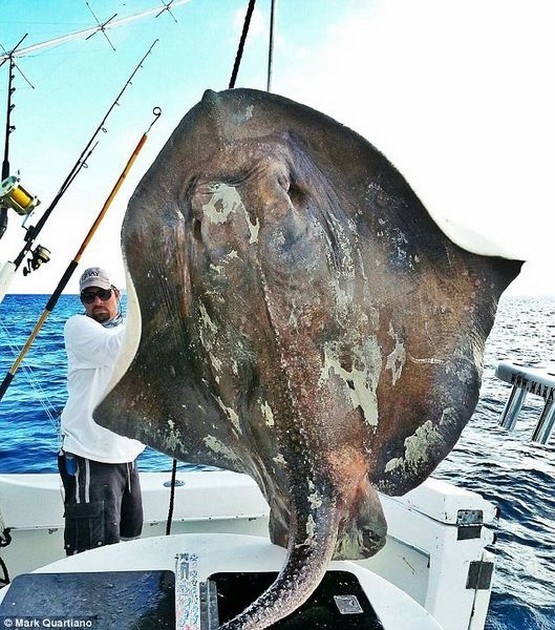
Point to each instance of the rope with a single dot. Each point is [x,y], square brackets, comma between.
[5,540]
[239,55]
[234,73]
[5,579]
[271,46]
[172,498]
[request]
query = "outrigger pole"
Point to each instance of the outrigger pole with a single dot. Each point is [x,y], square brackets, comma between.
[41,254]
[101,27]
[86,33]
[73,264]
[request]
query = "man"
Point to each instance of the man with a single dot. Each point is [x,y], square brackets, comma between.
[102,499]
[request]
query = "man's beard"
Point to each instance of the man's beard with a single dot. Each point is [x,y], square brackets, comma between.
[101,316]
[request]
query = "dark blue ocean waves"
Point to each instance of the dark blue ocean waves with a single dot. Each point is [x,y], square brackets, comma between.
[507,469]
[31,408]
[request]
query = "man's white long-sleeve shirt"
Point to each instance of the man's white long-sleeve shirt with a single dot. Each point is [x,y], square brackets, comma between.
[91,351]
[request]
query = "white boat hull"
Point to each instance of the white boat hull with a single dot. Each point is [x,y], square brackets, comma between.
[436,538]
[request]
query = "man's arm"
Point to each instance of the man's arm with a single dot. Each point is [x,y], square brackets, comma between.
[91,343]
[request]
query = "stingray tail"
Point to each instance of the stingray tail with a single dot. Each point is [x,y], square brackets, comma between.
[311,547]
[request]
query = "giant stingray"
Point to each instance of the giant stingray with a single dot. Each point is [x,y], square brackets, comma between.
[297,315]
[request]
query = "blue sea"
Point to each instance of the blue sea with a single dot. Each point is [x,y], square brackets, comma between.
[506,468]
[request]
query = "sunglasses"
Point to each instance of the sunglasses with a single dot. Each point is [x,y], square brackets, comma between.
[88,297]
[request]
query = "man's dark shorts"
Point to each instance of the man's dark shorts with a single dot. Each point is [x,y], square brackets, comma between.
[103,502]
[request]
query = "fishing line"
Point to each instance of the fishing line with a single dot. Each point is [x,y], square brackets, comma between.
[73,264]
[50,410]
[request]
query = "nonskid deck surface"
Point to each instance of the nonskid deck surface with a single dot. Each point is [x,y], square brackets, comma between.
[100,600]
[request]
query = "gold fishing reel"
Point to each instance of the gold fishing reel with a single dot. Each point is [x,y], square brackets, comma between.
[13,195]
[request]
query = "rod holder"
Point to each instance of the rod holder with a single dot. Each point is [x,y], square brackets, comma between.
[528,379]
[512,408]
[544,428]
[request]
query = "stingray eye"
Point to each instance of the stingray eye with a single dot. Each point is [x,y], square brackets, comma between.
[196,229]
[195,216]
[198,195]
[291,186]
[284,181]
[296,194]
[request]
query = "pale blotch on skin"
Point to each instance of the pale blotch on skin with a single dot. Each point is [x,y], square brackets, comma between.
[310,530]
[342,284]
[225,200]
[206,321]
[208,331]
[420,444]
[478,354]
[431,361]
[217,447]
[254,228]
[231,414]
[267,413]
[363,383]
[350,546]
[343,301]
[396,360]
[172,438]
[315,500]
[279,459]
[233,255]
[249,111]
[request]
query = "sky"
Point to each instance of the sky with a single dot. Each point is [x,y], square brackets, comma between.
[457,94]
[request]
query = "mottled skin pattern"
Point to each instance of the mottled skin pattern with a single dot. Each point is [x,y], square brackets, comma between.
[303,321]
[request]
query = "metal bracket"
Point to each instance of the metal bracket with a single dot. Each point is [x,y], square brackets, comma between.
[209,606]
[187,592]
[469,524]
[196,602]
[479,575]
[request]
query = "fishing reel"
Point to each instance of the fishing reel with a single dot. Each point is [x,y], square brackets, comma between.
[39,256]
[13,195]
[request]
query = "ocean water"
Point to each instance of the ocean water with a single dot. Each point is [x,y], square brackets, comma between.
[506,468]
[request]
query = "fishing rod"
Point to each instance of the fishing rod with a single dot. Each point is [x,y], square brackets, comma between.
[42,255]
[24,198]
[50,305]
